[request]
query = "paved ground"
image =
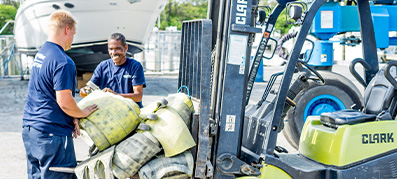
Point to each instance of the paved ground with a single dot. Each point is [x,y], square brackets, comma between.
[12,98]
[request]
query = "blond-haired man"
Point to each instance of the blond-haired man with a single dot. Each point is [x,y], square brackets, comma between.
[50,115]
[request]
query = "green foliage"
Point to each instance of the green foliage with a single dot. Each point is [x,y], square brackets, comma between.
[14,3]
[178,11]
[7,13]
[281,23]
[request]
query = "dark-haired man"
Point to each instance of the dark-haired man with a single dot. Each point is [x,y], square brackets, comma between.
[120,75]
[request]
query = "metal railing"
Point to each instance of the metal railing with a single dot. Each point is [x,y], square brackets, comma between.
[10,64]
[161,52]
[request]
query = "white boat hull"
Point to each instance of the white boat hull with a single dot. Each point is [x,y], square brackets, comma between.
[96,20]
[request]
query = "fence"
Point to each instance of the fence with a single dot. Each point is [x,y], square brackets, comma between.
[10,63]
[161,52]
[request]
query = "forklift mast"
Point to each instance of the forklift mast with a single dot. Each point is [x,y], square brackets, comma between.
[223,99]
[235,33]
[220,80]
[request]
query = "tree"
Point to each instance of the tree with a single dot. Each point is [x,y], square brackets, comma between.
[11,2]
[178,11]
[7,13]
[281,23]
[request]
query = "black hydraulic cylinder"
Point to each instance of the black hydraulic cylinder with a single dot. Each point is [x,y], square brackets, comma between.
[261,48]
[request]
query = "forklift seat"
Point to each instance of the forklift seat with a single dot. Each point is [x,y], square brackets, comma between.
[380,99]
[379,93]
[347,116]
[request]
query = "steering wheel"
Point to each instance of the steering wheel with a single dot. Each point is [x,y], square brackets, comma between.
[312,71]
[285,55]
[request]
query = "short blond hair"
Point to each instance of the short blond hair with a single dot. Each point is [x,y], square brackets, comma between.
[61,19]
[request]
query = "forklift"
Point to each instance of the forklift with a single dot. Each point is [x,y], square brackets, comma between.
[331,19]
[235,140]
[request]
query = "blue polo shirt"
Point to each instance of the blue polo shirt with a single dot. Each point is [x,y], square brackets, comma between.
[52,71]
[119,78]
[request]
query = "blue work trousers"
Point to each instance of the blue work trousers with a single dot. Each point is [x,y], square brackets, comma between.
[45,150]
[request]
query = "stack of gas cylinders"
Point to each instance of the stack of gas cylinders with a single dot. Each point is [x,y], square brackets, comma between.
[125,140]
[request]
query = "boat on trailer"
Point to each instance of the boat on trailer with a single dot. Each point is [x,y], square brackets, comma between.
[96,21]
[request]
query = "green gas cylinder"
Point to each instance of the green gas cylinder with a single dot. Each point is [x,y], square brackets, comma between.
[179,166]
[132,153]
[115,118]
[178,103]
[169,128]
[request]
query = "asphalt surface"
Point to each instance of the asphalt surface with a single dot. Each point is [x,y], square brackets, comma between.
[12,98]
[13,93]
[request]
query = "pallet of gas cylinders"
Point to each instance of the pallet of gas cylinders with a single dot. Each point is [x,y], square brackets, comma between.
[127,141]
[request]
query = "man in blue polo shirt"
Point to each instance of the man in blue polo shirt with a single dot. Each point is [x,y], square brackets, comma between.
[119,75]
[50,114]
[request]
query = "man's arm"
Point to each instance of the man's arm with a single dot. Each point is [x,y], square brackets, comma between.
[136,95]
[68,105]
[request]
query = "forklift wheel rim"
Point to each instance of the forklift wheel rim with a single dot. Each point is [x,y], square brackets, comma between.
[322,103]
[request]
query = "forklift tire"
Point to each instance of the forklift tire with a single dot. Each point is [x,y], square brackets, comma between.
[336,94]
